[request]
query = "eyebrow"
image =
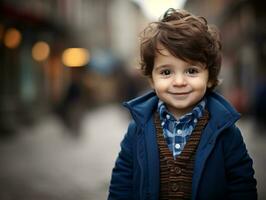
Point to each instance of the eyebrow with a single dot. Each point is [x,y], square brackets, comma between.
[198,64]
[162,66]
[187,66]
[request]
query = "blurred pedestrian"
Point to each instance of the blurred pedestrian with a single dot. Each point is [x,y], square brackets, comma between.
[182,142]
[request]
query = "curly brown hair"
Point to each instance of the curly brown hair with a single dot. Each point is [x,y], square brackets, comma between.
[185,36]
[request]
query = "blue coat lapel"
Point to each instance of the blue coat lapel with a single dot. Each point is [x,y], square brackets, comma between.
[220,119]
[153,160]
[204,149]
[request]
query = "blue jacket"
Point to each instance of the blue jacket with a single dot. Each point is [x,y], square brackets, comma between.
[222,169]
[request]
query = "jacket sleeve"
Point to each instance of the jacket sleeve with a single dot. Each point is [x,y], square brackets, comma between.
[239,171]
[122,174]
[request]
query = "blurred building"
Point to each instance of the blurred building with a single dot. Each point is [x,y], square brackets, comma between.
[243,33]
[30,85]
[27,83]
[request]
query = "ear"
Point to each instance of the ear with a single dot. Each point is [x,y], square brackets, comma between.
[209,84]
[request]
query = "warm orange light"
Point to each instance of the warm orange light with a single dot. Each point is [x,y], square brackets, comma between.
[12,38]
[40,51]
[75,57]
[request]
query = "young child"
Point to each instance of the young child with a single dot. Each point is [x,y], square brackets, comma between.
[182,142]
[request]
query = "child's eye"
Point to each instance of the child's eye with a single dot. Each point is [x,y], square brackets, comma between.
[165,72]
[192,71]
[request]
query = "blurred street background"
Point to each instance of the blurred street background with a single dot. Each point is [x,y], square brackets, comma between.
[67,65]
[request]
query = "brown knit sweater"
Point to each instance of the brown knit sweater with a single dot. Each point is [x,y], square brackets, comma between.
[176,175]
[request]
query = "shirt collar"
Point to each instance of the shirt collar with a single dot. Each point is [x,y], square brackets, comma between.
[196,113]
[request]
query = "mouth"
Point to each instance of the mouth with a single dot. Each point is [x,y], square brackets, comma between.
[179,93]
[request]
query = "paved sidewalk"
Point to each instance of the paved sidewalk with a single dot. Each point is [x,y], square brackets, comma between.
[47,162]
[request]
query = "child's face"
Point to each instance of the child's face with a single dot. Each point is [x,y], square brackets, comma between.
[179,84]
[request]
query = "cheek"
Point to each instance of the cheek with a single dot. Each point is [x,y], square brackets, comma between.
[200,85]
[160,85]
[204,88]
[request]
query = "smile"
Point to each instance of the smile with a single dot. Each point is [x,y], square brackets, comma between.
[179,93]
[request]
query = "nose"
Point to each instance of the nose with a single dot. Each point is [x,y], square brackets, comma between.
[179,80]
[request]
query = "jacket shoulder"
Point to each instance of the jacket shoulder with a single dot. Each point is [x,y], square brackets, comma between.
[233,140]
[222,114]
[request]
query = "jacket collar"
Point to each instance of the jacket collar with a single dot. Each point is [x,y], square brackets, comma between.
[142,108]
[222,113]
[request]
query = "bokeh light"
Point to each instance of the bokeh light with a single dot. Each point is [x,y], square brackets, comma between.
[75,57]
[12,38]
[40,51]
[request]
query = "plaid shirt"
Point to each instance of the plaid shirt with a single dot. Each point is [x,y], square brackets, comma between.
[177,132]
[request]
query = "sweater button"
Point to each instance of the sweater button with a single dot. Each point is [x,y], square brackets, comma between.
[170,162]
[175,187]
[177,170]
